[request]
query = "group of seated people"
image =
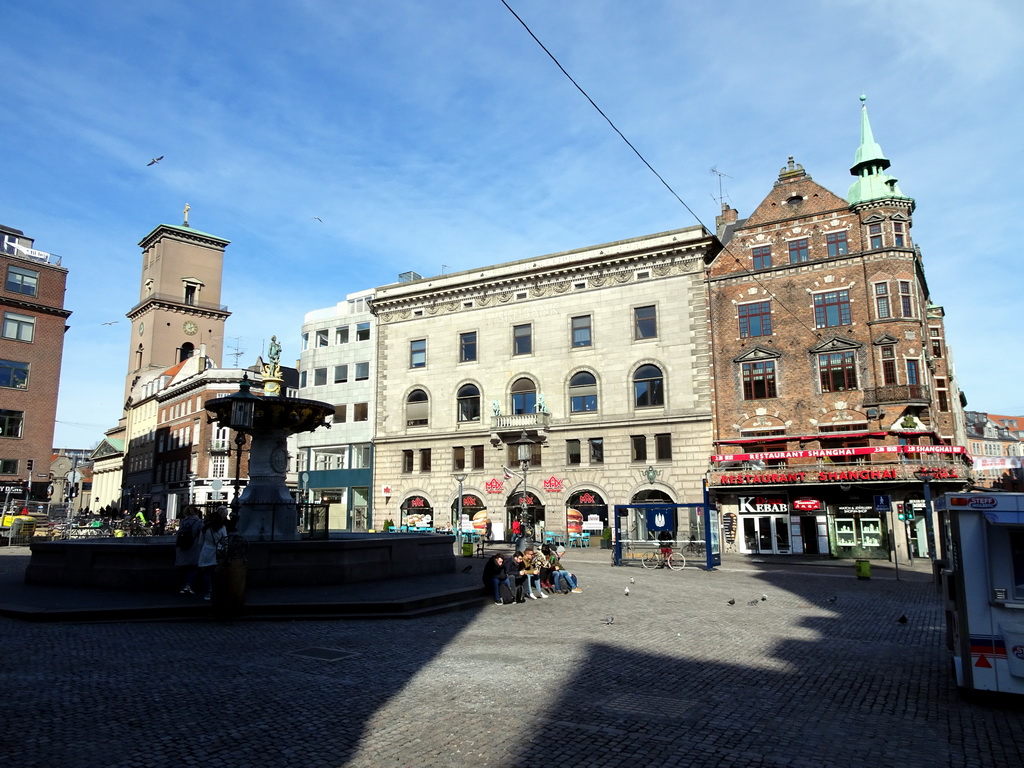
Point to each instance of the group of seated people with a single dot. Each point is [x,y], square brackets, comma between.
[523,572]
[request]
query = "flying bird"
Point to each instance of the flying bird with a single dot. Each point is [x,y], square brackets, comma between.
[154,161]
[319,219]
[902,619]
[112,322]
[732,601]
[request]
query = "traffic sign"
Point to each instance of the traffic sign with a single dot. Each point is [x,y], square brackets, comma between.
[883,503]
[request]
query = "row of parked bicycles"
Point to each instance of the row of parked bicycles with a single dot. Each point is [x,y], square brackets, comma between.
[99,527]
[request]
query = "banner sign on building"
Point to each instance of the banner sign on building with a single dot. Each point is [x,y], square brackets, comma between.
[820,453]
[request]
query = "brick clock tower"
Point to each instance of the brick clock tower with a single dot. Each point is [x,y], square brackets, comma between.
[179,309]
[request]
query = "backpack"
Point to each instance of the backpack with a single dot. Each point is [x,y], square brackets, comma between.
[185,538]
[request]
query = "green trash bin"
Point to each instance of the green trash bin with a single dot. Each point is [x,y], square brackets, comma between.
[863,569]
[467,549]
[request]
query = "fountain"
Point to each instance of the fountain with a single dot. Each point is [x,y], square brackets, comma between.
[266,510]
[267,517]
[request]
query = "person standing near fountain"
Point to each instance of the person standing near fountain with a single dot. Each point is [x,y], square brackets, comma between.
[213,534]
[187,546]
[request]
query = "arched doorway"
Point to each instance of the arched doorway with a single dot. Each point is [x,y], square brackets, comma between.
[417,514]
[586,513]
[474,514]
[530,517]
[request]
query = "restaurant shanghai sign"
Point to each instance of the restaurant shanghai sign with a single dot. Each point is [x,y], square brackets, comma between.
[826,476]
[821,453]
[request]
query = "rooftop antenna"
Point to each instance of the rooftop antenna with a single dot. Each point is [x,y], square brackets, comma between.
[719,174]
[444,267]
[236,350]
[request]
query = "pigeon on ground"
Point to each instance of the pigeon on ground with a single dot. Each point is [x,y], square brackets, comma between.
[830,599]
[467,569]
[764,597]
[154,161]
[627,591]
[608,620]
[732,601]
[752,602]
[902,619]
[632,580]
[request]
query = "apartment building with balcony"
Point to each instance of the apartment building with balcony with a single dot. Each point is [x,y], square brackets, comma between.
[32,325]
[337,365]
[597,356]
[832,381]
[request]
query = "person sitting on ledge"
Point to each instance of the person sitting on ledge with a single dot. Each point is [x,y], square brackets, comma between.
[495,575]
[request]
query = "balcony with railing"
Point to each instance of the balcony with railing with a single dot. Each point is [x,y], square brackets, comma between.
[168,298]
[220,446]
[896,394]
[519,421]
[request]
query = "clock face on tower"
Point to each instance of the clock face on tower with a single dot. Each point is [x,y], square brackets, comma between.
[190,327]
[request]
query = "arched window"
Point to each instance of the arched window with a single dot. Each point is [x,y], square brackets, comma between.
[648,386]
[468,403]
[524,396]
[417,409]
[582,393]
[187,350]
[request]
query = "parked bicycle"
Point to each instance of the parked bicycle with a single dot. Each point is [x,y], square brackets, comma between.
[662,559]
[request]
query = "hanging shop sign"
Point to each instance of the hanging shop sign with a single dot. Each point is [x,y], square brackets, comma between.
[494,485]
[821,453]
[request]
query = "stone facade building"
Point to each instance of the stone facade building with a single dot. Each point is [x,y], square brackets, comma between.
[832,382]
[597,356]
[32,325]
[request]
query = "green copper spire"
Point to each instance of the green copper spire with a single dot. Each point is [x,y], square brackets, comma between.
[868,167]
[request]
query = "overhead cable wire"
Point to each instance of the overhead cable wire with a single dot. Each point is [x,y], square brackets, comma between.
[725,246]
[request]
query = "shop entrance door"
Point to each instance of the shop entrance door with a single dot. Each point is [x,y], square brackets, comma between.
[766,534]
[809,534]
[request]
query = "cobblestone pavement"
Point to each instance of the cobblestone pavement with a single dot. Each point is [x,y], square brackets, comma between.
[679,678]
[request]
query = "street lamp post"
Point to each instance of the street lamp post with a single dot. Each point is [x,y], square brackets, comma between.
[459,478]
[925,476]
[524,448]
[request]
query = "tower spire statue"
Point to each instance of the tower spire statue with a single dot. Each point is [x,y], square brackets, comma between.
[187,209]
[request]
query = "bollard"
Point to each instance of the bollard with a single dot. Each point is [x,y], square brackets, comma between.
[863,569]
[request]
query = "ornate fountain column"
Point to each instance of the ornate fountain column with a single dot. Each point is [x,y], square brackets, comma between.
[266,508]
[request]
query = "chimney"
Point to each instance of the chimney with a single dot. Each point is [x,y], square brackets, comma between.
[728,216]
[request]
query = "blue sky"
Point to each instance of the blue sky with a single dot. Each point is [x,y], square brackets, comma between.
[436,135]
